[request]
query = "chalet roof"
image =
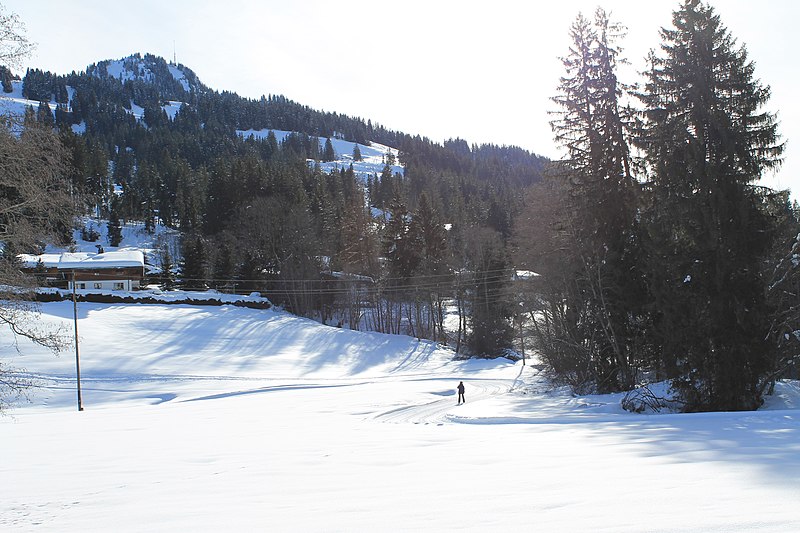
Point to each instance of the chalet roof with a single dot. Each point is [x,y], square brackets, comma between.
[86,260]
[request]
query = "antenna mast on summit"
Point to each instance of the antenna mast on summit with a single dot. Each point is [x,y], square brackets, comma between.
[174,54]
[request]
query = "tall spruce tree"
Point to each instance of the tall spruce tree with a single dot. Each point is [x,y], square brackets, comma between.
[194,266]
[432,281]
[707,141]
[328,153]
[489,299]
[600,303]
[114,225]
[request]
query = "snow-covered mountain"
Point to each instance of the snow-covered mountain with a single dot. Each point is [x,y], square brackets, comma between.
[148,69]
[176,85]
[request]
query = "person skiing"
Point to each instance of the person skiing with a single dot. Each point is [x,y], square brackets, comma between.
[461,393]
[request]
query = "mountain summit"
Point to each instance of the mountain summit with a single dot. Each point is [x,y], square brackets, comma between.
[173,81]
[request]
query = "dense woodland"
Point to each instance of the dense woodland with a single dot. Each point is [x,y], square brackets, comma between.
[659,256]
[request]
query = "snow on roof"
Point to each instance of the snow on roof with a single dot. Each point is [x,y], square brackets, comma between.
[31,261]
[86,260]
[117,259]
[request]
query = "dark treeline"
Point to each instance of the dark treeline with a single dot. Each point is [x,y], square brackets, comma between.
[386,253]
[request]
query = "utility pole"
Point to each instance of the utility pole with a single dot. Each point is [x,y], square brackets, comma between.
[521,338]
[77,351]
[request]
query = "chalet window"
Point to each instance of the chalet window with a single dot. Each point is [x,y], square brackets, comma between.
[81,285]
[118,286]
[98,285]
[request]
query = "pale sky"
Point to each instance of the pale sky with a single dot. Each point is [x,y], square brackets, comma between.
[480,70]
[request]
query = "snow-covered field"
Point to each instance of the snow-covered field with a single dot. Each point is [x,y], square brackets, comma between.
[231,419]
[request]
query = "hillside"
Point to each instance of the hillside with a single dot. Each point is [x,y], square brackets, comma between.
[209,419]
[271,196]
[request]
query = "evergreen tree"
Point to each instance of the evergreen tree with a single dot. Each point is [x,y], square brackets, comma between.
[706,142]
[357,153]
[596,308]
[432,279]
[399,244]
[167,278]
[328,153]
[194,265]
[358,252]
[272,144]
[5,79]
[432,238]
[223,267]
[44,115]
[114,226]
[63,118]
[490,310]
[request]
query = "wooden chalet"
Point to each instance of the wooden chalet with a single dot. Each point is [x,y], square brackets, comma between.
[121,270]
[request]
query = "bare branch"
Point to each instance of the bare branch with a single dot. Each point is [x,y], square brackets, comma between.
[14,45]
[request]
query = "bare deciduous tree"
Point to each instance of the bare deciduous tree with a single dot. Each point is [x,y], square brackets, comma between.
[35,204]
[14,45]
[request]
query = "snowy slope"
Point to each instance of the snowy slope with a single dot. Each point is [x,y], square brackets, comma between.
[136,67]
[228,419]
[14,104]
[134,237]
[373,156]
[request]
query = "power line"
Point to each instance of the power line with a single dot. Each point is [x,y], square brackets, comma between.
[345,278]
[291,287]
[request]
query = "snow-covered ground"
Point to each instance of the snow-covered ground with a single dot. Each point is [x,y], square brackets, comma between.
[134,238]
[14,104]
[231,419]
[373,157]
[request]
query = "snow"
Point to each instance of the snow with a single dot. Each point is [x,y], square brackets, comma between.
[171,108]
[85,260]
[118,70]
[112,259]
[154,293]
[121,69]
[137,111]
[373,156]
[205,418]
[179,76]
[47,260]
[79,129]
[134,239]
[14,104]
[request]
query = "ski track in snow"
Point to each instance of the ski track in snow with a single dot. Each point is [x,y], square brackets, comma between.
[445,410]
[440,411]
